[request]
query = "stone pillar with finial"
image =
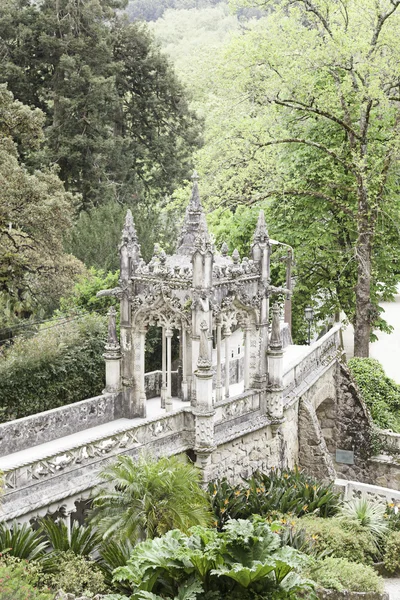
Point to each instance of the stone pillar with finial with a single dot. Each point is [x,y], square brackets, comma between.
[261,253]
[112,356]
[204,412]
[275,368]
[129,250]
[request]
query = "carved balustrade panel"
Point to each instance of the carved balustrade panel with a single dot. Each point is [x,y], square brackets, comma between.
[242,405]
[68,460]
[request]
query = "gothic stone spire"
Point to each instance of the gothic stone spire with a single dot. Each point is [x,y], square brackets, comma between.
[129,232]
[129,248]
[194,224]
[261,233]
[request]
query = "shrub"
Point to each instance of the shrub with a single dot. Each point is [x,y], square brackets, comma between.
[245,557]
[380,393]
[341,574]
[392,515]
[73,574]
[147,497]
[391,557]
[61,364]
[16,583]
[286,491]
[83,296]
[369,514]
[340,538]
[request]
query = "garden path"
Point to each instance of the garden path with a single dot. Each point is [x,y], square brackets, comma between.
[392,587]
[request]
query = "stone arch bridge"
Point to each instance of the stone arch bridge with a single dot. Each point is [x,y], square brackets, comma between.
[51,460]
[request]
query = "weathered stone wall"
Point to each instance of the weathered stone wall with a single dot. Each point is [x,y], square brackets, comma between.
[345,595]
[261,445]
[353,427]
[384,471]
[314,455]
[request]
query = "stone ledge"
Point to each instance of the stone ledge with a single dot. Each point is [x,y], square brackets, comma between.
[323,594]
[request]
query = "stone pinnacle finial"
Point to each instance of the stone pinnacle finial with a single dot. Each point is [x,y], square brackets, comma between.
[112,339]
[224,249]
[236,256]
[194,226]
[261,233]
[203,238]
[276,338]
[129,232]
[195,204]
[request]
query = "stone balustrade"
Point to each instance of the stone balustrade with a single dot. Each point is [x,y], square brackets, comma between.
[312,361]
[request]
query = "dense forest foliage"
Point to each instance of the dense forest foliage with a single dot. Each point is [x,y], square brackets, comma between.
[107,105]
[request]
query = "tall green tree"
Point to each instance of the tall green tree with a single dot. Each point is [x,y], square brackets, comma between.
[35,214]
[117,122]
[316,134]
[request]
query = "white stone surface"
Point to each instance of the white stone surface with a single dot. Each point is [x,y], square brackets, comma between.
[392,587]
[387,348]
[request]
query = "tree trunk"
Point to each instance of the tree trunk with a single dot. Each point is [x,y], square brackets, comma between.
[362,325]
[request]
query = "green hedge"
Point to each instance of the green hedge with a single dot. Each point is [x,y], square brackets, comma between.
[380,393]
[60,365]
[340,574]
[340,538]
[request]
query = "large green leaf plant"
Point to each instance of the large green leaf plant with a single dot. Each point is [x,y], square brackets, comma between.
[245,560]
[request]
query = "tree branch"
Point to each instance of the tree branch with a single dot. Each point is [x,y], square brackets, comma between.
[296,105]
[381,21]
[291,192]
[321,147]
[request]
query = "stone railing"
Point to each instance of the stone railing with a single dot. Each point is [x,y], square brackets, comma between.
[56,423]
[356,489]
[243,404]
[321,353]
[389,442]
[68,459]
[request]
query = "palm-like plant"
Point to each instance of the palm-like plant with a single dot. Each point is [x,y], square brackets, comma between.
[83,539]
[22,541]
[148,497]
[369,514]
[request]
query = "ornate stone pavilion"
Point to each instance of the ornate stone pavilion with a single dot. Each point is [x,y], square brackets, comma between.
[205,296]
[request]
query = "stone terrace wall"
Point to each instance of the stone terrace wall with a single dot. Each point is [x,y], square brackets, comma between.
[246,444]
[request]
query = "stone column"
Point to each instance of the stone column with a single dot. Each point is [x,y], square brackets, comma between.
[204,412]
[288,296]
[246,367]
[163,368]
[275,363]
[67,520]
[227,332]
[218,387]
[184,365]
[168,399]
[112,356]
[142,385]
